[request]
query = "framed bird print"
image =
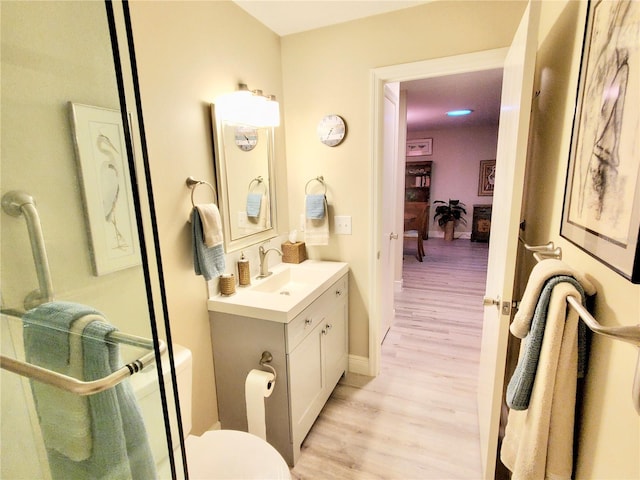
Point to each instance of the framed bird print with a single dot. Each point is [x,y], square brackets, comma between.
[106,187]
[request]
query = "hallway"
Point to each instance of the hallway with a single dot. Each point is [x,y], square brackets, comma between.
[417,419]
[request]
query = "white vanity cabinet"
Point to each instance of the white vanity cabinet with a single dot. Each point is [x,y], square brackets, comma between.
[316,356]
[310,354]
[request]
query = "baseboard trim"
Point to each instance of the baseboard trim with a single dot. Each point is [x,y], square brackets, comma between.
[359,365]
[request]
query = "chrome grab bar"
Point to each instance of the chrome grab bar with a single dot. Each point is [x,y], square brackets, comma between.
[16,203]
[80,387]
[628,334]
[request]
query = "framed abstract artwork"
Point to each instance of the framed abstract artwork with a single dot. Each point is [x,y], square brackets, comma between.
[486,178]
[601,212]
[106,187]
[418,147]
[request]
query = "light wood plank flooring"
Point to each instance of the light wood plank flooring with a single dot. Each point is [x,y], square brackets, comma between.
[418,418]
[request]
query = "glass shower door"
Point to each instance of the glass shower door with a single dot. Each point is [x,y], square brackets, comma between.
[79,290]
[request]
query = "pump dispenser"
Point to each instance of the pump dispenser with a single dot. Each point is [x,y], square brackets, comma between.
[244,276]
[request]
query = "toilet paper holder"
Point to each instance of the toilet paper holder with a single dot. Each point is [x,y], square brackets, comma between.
[265,361]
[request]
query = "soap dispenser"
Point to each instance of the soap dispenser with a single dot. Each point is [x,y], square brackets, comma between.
[244,276]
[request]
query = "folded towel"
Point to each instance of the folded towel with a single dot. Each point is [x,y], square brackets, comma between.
[521,383]
[120,447]
[52,340]
[540,273]
[211,224]
[254,202]
[315,206]
[538,442]
[207,261]
[316,231]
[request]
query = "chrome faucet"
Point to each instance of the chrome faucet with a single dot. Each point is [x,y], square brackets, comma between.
[264,264]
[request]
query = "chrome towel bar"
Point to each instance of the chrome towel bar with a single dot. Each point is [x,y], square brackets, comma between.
[628,334]
[80,387]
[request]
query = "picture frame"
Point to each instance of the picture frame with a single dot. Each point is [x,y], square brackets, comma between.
[486,178]
[103,167]
[418,147]
[601,210]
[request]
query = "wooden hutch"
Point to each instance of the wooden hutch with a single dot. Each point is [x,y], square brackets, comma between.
[417,181]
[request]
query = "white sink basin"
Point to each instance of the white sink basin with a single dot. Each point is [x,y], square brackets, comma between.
[282,295]
[290,280]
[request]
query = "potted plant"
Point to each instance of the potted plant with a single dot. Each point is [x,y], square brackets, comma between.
[447,214]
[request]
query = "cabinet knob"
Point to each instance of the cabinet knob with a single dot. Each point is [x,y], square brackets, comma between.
[308,321]
[326,329]
[338,293]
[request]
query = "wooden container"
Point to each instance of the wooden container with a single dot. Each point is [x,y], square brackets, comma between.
[244,276]
[294,252]
[227,284]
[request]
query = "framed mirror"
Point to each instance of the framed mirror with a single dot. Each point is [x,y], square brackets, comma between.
[245,177]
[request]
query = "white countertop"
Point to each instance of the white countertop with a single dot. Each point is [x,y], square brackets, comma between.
[280,307]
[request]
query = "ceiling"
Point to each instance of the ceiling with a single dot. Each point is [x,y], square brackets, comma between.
[428,100]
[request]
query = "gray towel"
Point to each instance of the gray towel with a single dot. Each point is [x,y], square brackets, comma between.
[208,262]
[521,383]
[120,445]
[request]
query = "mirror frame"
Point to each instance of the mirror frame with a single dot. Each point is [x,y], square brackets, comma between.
[223,187]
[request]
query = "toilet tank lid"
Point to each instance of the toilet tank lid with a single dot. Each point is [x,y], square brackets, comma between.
[145,381]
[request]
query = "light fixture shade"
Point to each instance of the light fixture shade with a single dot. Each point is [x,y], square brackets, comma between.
[244,107]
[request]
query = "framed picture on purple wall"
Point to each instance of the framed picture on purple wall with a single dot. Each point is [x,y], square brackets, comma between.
[601,213]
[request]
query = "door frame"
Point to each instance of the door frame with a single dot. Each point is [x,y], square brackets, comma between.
[465,63]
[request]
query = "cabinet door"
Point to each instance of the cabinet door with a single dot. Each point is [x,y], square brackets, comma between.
[306,383]
[334,344]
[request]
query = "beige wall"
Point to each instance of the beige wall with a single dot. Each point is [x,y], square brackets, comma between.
[609,443]
[328,71]
[188,53]
[70,60]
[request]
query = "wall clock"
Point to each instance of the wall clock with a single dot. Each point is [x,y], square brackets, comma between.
[246,138]
[332,130]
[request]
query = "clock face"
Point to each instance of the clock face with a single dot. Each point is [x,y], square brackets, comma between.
[332,130]
[246,138]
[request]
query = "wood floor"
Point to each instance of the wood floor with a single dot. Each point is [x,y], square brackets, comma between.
[418,418]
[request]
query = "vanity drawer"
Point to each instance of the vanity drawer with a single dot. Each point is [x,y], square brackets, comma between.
[310,317]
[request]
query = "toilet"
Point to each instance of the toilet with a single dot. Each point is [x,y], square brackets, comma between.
[217,454]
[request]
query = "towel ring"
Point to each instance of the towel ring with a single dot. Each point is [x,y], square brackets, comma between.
[192,183]
[259,181]
[319,179]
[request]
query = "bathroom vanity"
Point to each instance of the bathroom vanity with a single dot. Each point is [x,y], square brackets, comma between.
[300,315]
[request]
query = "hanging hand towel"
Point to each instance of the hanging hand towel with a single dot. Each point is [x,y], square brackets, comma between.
[119,443]
[211,224]
[316,231]
[254,202]
[315,206]
[538,442]
[52,340]
[521,383]
[208,262]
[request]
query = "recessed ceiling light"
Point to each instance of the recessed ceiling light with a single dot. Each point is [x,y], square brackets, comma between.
[459,113]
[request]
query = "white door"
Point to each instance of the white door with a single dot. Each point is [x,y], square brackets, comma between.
[511,159]
[390,231]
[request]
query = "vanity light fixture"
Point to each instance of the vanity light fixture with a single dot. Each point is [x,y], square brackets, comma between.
[459,113]
[248,107]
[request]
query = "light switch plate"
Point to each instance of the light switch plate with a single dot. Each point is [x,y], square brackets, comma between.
[342,224]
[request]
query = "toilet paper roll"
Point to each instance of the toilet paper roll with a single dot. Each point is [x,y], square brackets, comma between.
[257,386]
